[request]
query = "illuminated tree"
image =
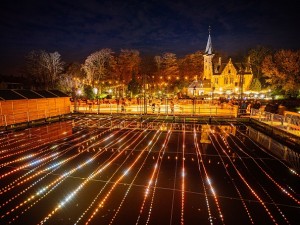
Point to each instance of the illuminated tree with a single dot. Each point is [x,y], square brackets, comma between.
[97,66]
[255,85]
[158,62]
[257,56]
[72,78]
[169,66]
[45,68]
[282,71]
[128,63]
[191,65]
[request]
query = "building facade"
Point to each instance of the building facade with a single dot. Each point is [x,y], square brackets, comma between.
[223,78]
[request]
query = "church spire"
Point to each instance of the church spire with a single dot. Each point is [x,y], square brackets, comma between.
[208,56]
[209,49]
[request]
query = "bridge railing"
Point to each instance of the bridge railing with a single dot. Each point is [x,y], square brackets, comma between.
[289,121]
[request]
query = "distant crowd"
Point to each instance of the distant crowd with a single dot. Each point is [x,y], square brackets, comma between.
[245,106]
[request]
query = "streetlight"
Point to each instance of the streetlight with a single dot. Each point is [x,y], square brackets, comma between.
[145,86]
[78,92]
[241,73]
[194,91]
[95,90]
[212,94]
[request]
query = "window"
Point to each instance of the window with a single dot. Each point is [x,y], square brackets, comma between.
[225,80]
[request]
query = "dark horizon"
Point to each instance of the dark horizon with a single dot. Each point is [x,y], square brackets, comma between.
[78,28]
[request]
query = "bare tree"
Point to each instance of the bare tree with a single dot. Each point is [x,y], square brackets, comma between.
[158,61]
[170,66]
[71,79]
[97,65]
[45,68]
[128,64]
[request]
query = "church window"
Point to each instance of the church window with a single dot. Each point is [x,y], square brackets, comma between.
[231,80]
[216,80]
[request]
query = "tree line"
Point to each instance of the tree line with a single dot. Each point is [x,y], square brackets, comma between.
[277,70]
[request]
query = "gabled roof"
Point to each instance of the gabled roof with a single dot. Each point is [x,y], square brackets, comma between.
[58,93]
[46,94]
[9,94]
[245,67]
[28,94]
[218,69]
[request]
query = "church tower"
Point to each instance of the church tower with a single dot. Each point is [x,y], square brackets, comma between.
[208,56]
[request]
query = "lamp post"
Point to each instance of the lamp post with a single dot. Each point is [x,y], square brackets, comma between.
[78,92]
[144,94]
[212,94]
[75,98]
[95,90]
[241,84]
[194,91]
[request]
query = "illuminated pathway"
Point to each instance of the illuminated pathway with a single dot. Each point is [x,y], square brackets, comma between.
[121,170]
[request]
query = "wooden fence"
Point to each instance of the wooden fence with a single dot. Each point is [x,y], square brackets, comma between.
[26,110]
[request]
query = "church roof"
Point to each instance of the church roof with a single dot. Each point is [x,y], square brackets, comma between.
[243,66]
[209,49]
[218,68]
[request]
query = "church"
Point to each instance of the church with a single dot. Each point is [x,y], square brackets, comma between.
[221,78]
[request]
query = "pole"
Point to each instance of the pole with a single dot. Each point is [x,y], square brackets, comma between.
[241,88]
[194,90]
[144,94]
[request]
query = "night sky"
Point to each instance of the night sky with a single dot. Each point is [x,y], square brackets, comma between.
[77,28]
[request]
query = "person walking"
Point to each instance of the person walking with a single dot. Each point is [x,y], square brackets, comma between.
[158,106]
[153,107]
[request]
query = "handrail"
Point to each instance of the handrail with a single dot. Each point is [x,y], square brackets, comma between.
[290,121]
